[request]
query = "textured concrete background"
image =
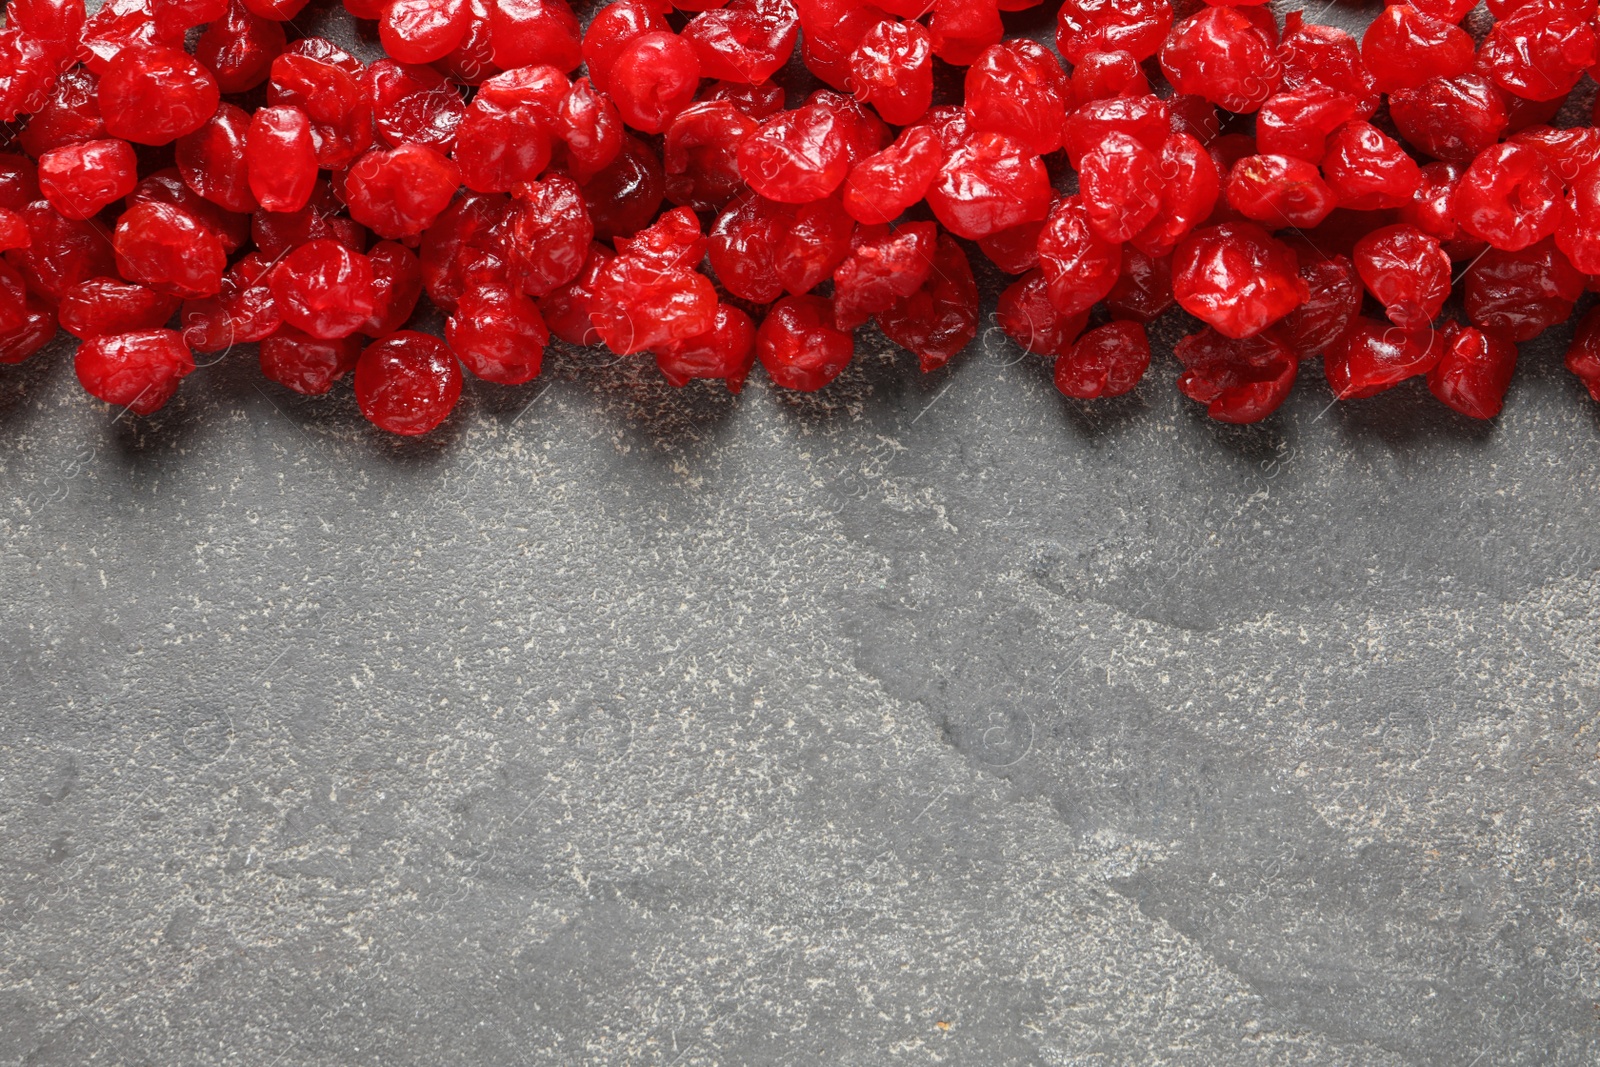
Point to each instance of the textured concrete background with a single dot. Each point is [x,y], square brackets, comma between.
[929,720]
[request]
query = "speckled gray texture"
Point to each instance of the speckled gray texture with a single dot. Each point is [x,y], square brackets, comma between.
[929,720]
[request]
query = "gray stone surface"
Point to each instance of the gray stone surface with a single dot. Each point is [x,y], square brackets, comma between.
[929,720]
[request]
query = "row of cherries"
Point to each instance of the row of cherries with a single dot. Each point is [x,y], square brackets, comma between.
[185,160]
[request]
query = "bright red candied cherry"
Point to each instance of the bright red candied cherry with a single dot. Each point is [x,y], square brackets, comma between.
[1404,48]
[1578,231]
[567,310]
[1521,294]
[1432,211]
[70,114]
[1280,191]
[1328,57]
[1135,26]
[239,48]
[407,383]
[882,267]
[325,289]
[399,192]
[1473,372]
[1079,266]
[656,75]
[1452,119]
[1239,381]
[1227,55]
[941,318]
[610,31]
[1375,356]
[743,246]
[1018,88]
[1190,189]
[498,148]
[1144,118]
[799,345]
[1238,278]
[797,156]
[154,95]
[990,184]
[550,234]
[1368,169]
[1334,302]
[499,335]
[651,293]
[1027,316]
[1510,196]
[166,186]
[13,231]
[1539,53]
[1583,355]
[169,250]
[102,306]
[421,31]
[281,159]
[244,311]
[747,41]
[961,29]
[702,154]
[396,287]
[306,364]
[892,69]
[62,252]
[1298,122]
[36,331]
[1105,362]
[529,33]
[1120,184]
[1407,271]
[213,163]
[80,179]
[413,105]
[591,128]
[332,97]
[727,352]
[138,371]
[1102,75]
[884,186]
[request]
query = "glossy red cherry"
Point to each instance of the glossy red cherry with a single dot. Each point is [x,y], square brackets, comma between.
[407,383]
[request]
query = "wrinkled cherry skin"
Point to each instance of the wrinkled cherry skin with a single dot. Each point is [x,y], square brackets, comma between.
[61,252]
[1521,294]
[1239,381]
[1375,356]
[1227,55]
[1134,26]
[399,192]
[727,352]
[748,41]
[892,70]
[71,114]
[244,311]
[1510,197]
[1368,170]
[1079,266]
[1280,191]
[990,184]
[1237,278]
[36,331]
[941,318]
[1105,362]
[153,95]
[325,289]
[1406,271]
[701,157]
[1028,317]
[80,179]
[743,248]
[333,98]
[306,364]
[138,371]
[239,48]
[1334,303]
[884,186]
[213,162]
[1583,355]
[169,250]
[1452,119]
[1403,48]
[1473,371]
[797,156]
[655,76]
[499,335]
[1019,89]
[102,306]
[799,345]
[1144,288]
[407,383]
